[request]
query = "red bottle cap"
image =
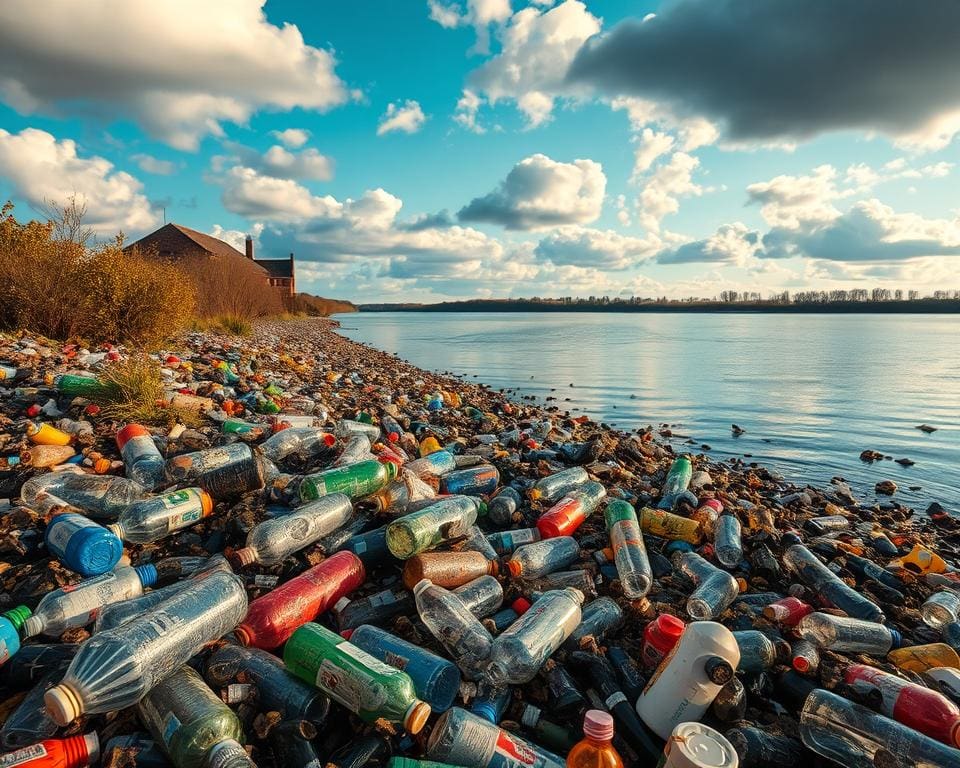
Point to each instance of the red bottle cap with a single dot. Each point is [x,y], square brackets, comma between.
[670,627]
[521,605]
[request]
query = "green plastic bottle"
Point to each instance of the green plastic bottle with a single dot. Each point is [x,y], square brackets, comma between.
[419,531]
[355,480]
[192,723]
[352,677]
[81,386]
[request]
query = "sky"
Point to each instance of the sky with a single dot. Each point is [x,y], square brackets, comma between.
[429,150]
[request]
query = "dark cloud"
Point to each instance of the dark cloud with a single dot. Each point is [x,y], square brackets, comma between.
[769,69]
[439,220]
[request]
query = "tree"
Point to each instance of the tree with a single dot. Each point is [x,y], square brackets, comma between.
[67,221]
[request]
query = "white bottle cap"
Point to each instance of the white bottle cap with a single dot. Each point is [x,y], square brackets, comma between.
[694,745]
[93,747]
[63,704]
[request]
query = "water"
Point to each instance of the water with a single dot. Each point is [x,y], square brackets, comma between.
[811,391]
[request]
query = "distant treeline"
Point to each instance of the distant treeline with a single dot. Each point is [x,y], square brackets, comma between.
[808,302]
[317,305]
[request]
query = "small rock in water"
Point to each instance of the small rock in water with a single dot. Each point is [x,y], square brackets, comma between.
[871,456]
[906,462]
[926,428]
[737,430]
[886,487]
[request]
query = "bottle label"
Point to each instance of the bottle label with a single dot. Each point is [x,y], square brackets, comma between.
[23,755]
[509,752]
[89,596]
[61,529]
[171,724]
[225,753]
[173,500]
[265,580]
[360,655]
[615,698]
[342,688]
[524,536]
[396,660]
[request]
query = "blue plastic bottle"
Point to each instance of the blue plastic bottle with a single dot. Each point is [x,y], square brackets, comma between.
[371,548]
[491,702]
[435,679]
[10,623]
[481,480]
[82,545]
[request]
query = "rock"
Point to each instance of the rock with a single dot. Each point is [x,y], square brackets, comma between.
[906,462]
[886,487]
[926,428]
[869,456]
[737,431]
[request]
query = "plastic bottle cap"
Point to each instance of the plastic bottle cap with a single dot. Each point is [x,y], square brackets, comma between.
[32,626]
[147,573]
[63,704]
[515,568]
[206,502]
[416,717]
[521,605]
[598,725]
[93,747]
[694,745]
[246,556]
[670,626]
[718,670]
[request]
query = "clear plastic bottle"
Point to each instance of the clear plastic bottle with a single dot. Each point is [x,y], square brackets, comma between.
[354,480]
[675,486]
[757,749]
[144,522]
[757,651]
[596,749]
[274,540]
[727,541]
[518,653]
[101,496]
[854,736]
[116,668]
[353,449]
[224,472]
[534,560]
[482,596]
[461,738]
[447,519]
[503,506]
[353,678]
[476,541]
[141,457]
[507,542]
[828,585]
[941,608]
[599,617]
[569,513]
[846,635]
[716,590]
[191,722]
[346,427]
[552,487]
[629,551]
[467,641]
[433,465]
[305,442]
[78,604]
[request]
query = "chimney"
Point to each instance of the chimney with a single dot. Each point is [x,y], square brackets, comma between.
[249,247]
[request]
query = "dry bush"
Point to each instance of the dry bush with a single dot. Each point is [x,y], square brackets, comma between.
[231,287]
[59,288]
[135,394]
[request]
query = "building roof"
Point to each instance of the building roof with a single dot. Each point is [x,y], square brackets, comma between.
[208,242]
[277,267]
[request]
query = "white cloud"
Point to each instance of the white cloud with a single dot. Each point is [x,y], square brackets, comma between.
[179,80]
[661,193]
[540,193]
[251,194]
[796,201]
[691,132]
[292,138]
[236,238]
[537,48]
[40,168]
[650,146]
[151,164]
[479,14]
[731,244]
[601,249]
[408,118]
[277,162]
[468,106]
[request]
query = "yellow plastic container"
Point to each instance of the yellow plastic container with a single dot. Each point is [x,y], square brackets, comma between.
[922,560]
[429,445]
[46,434]
[920,658]
[659,522]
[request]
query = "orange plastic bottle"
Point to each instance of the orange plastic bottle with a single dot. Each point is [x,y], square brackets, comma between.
[596,749]
[72,752]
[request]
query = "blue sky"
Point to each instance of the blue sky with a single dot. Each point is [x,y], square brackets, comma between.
[413,150]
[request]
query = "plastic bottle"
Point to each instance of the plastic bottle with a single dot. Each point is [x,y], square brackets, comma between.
[74,385]
[116,668]
[787,611]
[659,638]
[727,542]
[716,590]
[706,514]
[432,465]
[730,703]
[757,748]
[552,487]
[846,635]
[435,679]
[223,472]
[473,481]
[569,513]
[695,745]
[804,656]
[11,623]
[78,604]
[920,658]
[915,706]
[305,442]
[757,651]
[503,506]
[354,480]
[458,630]
[46,434]
[534,560]
[150,520]
[476,541]
[596,749]
[675,486]
[667,525]
[377,608]
[101,496]
[506,542]
[447,519]
[482,596]
[857,737]
[599,617]
[461,738]
[364,685]
[688,680]
[275,539]
[277,689]
[828,585]
[941,608]
[353,449]
[629,551]
[347,427]
[922,560]
[82,545]
[447,569]
[142,459]
[518,653]
[42,456]
[71,752]
[191,722]
[273,617]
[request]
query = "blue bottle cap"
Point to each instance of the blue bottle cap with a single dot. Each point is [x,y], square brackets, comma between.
[486,710]
[896,637]
[147,574]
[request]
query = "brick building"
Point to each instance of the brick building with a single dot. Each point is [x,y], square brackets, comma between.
[173,241]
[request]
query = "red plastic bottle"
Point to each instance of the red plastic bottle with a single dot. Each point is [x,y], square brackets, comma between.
[787,611]
[568,514]
[659,637]
[922,709]
[72,752]
[272,618]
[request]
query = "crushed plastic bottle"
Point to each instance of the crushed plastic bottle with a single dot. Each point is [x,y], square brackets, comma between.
[142,459]
[459,631]
[543,557]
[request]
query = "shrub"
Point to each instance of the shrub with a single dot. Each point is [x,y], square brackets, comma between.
[135,393]
[230,287]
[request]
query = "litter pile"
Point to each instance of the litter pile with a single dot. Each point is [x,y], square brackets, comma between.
[313,553]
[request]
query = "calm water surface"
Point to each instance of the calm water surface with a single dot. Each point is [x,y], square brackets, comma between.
[811,391]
